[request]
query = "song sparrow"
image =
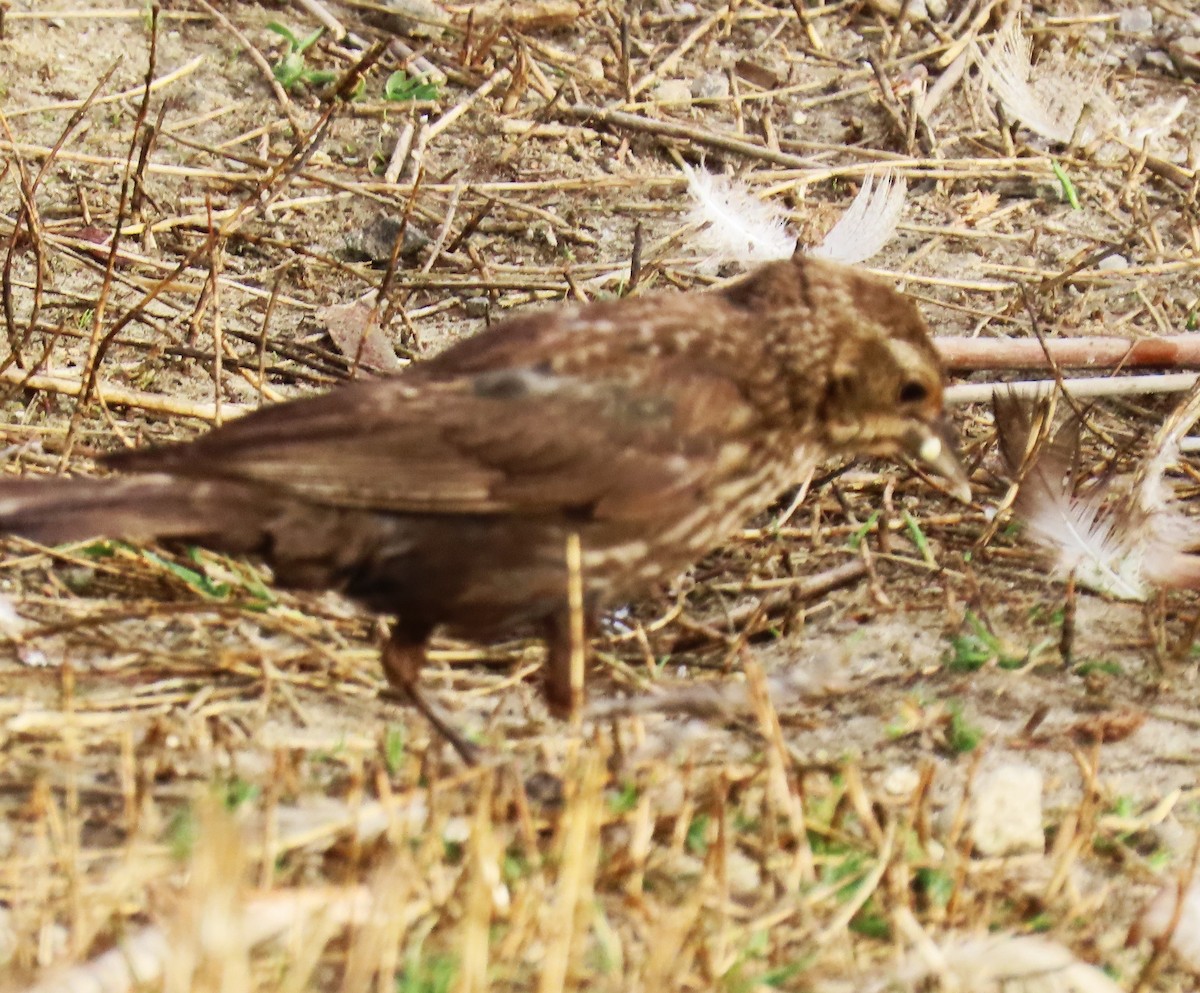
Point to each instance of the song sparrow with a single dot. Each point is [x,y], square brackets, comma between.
[647,429]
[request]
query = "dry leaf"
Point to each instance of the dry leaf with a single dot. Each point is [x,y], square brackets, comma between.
[977,207]
[1107,728]
[354,328]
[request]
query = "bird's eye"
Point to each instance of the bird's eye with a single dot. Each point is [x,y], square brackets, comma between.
[842,385]
[913,392]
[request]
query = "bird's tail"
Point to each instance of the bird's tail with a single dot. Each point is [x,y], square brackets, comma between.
[133,508]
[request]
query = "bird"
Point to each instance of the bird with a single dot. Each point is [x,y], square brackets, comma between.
[640,432]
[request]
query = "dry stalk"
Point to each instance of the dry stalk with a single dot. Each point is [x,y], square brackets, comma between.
[565,914]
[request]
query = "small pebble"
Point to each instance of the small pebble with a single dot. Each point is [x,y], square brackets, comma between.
[1006,811]
[1112,262]
[591,67]
[743,874]
[1136,20]
[374,240]
[672,92]
[902,780]
[456,831]
[669,797]
[418,18]
[711,86]
[1155,59]
[682,866]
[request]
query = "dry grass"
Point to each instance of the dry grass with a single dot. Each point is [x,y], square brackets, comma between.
[200,786]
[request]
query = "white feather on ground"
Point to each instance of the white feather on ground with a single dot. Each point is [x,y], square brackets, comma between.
[1167,533]
[868,223]
[1125,545]
[734,225]
[1049,101]
[1084,537]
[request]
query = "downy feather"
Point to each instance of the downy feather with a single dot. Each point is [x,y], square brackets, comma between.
[868,223]
[735,225]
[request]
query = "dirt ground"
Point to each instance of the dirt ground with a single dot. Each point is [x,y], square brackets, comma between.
[777,784]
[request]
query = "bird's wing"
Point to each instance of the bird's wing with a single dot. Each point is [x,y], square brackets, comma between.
[514,441]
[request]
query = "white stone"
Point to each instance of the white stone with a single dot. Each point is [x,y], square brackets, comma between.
[710,86]
[591,67]
[902,780]
[742,873]
[456,831]
[669,796]
[672,92]
[1006,811]
[1136,20]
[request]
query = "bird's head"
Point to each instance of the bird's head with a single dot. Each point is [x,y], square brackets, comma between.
[884,384]
[883,397]
[868,378]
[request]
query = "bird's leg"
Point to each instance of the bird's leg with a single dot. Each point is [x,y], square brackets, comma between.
[403,655]
[566,655]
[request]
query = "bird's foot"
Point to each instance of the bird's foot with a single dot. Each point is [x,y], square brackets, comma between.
[402,661]
[468,751]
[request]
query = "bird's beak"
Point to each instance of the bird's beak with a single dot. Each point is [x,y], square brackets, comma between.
[934,446]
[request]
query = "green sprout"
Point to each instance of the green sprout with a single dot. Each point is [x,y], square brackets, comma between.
[1068,188]
[401,87]
[973,650]
[961,735]
[292,68]
[858,536]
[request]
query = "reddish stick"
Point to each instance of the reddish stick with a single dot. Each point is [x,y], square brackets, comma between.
[1179,351]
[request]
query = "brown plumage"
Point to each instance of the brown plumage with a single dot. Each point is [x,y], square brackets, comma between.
[649,427]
